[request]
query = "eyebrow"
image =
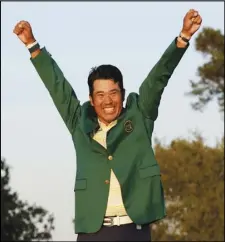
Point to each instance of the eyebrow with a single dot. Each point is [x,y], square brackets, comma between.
[115,89]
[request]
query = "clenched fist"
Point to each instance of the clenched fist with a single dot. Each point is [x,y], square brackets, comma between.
[191,23]
[24,32]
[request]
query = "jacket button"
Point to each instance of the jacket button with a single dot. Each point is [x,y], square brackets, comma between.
[107,181]
[110,157]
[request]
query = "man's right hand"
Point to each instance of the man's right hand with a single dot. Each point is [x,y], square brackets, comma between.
[24,32]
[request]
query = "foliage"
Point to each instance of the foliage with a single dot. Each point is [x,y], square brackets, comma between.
[20,221]
[210,43]
[193,179]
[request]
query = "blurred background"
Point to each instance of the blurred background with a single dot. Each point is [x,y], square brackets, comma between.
[38,163]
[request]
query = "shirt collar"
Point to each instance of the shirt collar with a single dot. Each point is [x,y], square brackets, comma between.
[105,127]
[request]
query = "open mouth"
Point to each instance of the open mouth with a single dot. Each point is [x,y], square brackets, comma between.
[109,110]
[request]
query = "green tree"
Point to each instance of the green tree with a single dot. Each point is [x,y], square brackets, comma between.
[193,179]
[20,221]
[210,43]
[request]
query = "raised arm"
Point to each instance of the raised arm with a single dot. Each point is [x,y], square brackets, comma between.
[59,88]
[151,89]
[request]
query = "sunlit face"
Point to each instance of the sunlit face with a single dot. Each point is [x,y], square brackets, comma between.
[106,100]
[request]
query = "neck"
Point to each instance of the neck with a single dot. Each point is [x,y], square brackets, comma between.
[105,122]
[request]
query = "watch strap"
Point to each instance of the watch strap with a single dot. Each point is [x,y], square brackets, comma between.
[183,38]
[34,48]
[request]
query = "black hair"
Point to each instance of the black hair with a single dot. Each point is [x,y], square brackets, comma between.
[105,72]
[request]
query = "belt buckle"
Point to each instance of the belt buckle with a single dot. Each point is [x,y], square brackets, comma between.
[111,222]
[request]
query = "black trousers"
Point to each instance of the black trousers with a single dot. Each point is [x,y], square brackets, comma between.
[126,232]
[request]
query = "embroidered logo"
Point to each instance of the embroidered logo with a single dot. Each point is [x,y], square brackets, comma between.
[128,126]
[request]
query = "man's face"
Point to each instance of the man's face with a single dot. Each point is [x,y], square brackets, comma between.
[106,100]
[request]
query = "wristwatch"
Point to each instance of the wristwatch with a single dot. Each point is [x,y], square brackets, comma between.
[183,38]
[33,47]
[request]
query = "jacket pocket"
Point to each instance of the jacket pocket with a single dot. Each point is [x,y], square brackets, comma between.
[80,184]
[149,171]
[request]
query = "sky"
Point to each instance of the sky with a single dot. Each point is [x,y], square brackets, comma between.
[130,35]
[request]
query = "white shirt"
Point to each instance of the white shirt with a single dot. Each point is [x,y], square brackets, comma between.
[115,205]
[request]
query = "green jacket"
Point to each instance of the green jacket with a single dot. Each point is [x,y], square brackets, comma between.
[129,144]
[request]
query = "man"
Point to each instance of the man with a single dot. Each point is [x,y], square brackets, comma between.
[118,190]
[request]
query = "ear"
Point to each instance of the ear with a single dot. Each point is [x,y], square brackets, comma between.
[91,100]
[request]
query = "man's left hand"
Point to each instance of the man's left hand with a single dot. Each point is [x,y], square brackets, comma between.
[191,23]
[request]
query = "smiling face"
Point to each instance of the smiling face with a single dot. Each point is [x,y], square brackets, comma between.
[107,100]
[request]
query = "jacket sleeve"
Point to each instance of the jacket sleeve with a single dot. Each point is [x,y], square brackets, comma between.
[151,89]
[59,88]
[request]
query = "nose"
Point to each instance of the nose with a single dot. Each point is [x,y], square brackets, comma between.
[108,99]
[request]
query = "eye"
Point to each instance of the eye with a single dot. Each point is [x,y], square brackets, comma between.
[113,93]
[100,95]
